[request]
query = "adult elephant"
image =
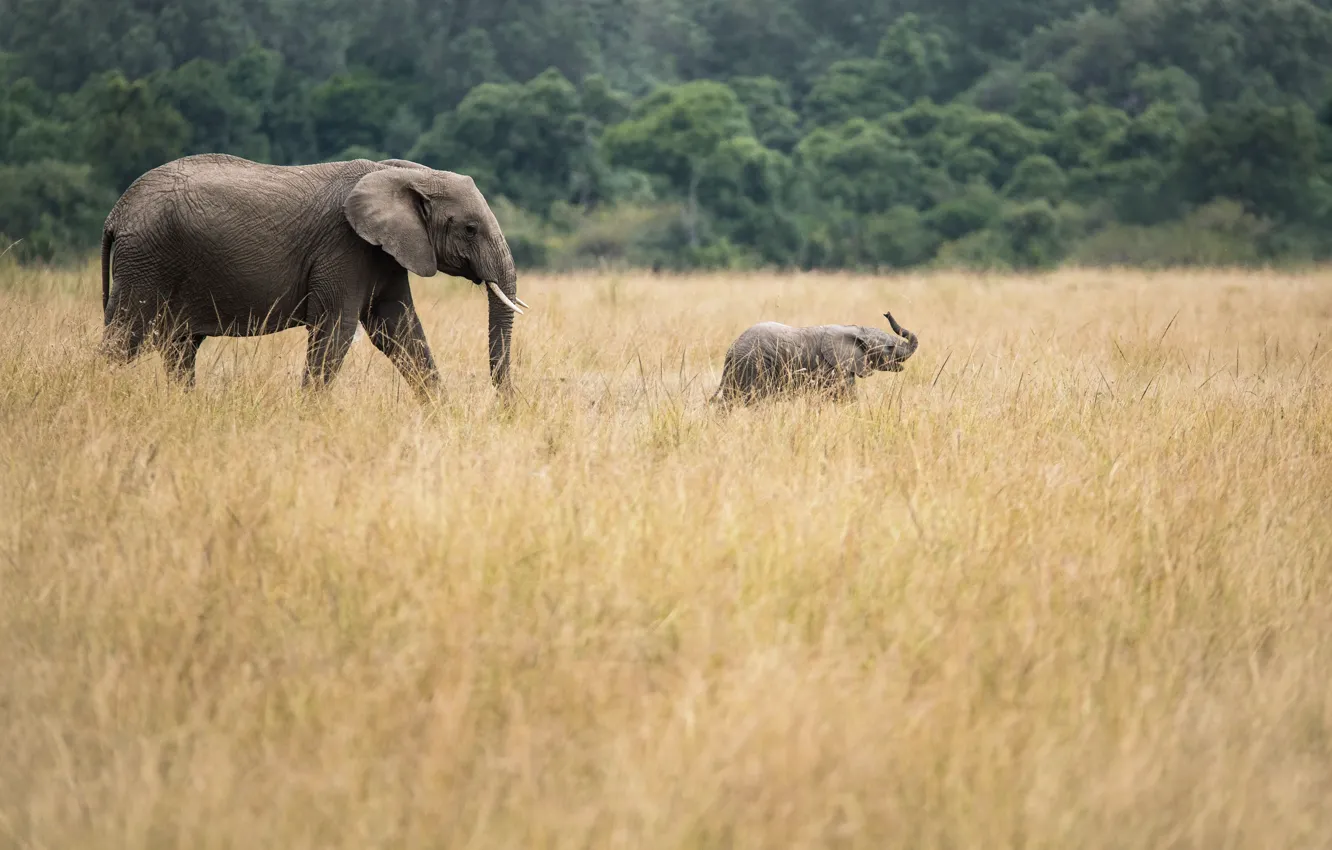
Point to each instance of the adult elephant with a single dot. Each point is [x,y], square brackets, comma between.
[216,245]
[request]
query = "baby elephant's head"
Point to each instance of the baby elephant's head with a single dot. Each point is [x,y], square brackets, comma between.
[887,352]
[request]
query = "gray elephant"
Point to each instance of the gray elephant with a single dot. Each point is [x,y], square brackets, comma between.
[216,245]
[771,358]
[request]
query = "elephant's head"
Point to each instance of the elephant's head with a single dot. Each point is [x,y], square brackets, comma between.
[880,351]
[432,221]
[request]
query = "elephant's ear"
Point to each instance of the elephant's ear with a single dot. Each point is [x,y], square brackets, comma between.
[385,209]
[847,350]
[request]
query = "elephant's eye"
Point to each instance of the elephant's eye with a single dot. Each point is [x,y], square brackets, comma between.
[470,228]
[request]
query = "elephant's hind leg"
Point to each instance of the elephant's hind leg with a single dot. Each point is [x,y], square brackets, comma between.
[126,327]
[122,342]
[140,283]
[179,354]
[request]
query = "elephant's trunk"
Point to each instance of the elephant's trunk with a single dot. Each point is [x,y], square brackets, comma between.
[912,341]
[502,294]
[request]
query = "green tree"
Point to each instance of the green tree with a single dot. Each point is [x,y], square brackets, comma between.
[972,209]
[1032,233]
[909,64]
[602,102]
[864,168]
[529,142]
[55,208]
[1260,155]
[997,142]
[1037,177]
[1172,86]
[850,89]
[220,119]
[1081,141]
[900,238]
[675,131]
[351,109]
[915,58]
[746,188]
[768,104]
[1042,101]
[125,128]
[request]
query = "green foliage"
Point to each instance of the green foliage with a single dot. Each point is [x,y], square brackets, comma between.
[125,127]
[675,130]
[1082,138]
[1031,232]
[55,208]
[768,105]
[909,64]
[914,58]
[745,187]
[1217,234]
[528,142]
[1255,153]
[849,89]
[864,168]
[1037,177]
[980,250]
[975,208]
[1173,86]
[602,103]
[1042,101]
[221,118]
[899,238]
[674,133]
[990,146]
[350,109]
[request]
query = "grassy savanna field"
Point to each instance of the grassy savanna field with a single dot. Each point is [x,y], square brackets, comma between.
[1066,581]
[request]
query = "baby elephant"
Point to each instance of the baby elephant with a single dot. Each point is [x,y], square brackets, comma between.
[772,358]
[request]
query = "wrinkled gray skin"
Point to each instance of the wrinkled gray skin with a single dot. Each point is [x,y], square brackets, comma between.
[771,358]
[215,245]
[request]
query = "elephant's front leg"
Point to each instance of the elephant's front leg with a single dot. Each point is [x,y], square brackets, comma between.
[330,340]
[844,388]
[395,329]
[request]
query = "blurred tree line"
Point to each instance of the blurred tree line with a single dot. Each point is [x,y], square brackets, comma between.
[713,133]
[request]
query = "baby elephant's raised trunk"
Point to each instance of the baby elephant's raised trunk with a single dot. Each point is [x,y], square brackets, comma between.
[912,342]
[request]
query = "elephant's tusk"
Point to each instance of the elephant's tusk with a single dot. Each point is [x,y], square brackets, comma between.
[494,287]
[522,303]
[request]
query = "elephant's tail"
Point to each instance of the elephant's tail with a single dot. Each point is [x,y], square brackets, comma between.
[108,243]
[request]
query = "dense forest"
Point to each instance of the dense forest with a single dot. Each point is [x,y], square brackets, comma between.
[712,133]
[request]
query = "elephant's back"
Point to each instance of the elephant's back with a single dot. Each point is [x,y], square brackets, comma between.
[768,337]
[233,179]
[766,345]
[763,331]
[203,192]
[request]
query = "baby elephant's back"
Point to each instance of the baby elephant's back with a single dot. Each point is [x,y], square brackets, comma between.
[768,339]
[773,347]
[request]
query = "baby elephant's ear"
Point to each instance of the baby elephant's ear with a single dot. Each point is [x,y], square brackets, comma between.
[871,344]
[845,351]
[386,209]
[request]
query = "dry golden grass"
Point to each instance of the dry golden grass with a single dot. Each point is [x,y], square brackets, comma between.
[1064,582]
